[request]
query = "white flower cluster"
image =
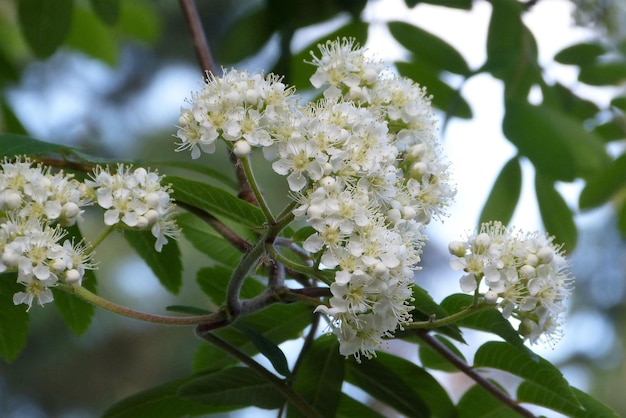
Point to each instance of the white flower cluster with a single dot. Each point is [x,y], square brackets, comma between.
[136,198]
[31,200]
[35,205]
[524,274]
[364,165]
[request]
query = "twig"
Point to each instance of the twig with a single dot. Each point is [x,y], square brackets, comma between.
[201,46]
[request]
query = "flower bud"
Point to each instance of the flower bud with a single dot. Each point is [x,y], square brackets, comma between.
[457,248]
[241,148]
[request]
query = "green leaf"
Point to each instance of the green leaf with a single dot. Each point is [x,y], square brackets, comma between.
[266,347]
[76,313]
[429,48]
[13,319]
[320,377]
[531,393]
[140,20]
[425,309]
[205,240]
[9,119]
[621,219]
[246,36]
[232,387]
[195,167]
[89,35]
[45,24]
[12,145]
[490,320]
[557,145]
[560,97]
[580,54]
[504,195]
[166,265]
[477,402]
[602,187]
[431,359]
[445,97]
[619,102]
[215,201]
[350,408]
[593,407]
[557,217]
[402,385]
[603,73]
[160,402]
[455,4]
[107,10]
[538,373]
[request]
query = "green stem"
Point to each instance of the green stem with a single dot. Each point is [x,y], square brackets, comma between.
[300,268]
[436,323]
[247,168]
[293,397]
[105,233]
[210,319]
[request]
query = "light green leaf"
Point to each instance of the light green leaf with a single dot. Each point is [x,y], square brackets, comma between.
[602,187]
[445,97]
[160,402]
[580,54]
[504,195]
[593,407]
[12,145]
[350,408]
[539,372]
[232,387]
[140,20]
[194,167]
[13,319]
[532,393]
[320,377]
[603,73]
[205,240]
[477,402]
[425,309]
[166,265]
[107,10]
[76,313]
[89,35]
[557,217]
[560,97]
[215,201]
[431,359]
[45,24]
[266,347]
[557,145]
[429,48]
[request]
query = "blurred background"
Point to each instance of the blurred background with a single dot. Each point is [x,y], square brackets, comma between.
[116,89]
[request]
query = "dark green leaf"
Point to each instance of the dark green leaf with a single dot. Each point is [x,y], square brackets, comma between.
[266,347]
[89,35]
[621,219]
[431,359]
[12,145]
[425,309]
[477,402]
[160,402]
[140,20]
[246,36]
[580,54]
[13,319]
[560,97]
[455,4]
[490,320]
[320,377]
[504,195]
[232,387]
[303,233]
[166,265]
[445,97]
[402,385]
[599,189]
[592,406]
[539,372]
[215,201]
[10,119]
[45,24]
[205,240]
[557,145]
[619,102]
[557,217]
[350,408]
[429,48]
[532,393]
[107,10]
[603,73]
[203,169]
[612,130]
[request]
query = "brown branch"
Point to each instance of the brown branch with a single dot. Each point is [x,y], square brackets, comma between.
[200,44]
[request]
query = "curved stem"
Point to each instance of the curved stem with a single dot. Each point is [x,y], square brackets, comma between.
[473,374]
[292,265]
[215,319]
[256,190]
[105,233]
[435,323]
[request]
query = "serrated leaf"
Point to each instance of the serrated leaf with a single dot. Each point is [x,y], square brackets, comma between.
[504,195]
[557,217]
[557,145]
[603,73]
[159,402]
[13,319]
[539,372]
[429,48]
[76,312]
[580,54]
[320,377]
[402,385]
[233,387]
[445,97]
[166,265]
[89,35]
[107,10]
[490,320]
[216,201]
[350,408]
[266,347]
[431,359]
[477,402]
[203,238]
[45,24]
[600,188]
[12,145]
